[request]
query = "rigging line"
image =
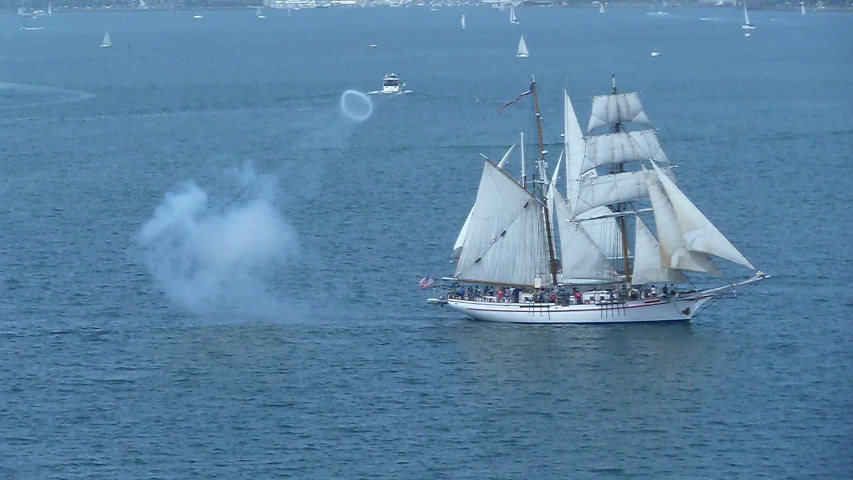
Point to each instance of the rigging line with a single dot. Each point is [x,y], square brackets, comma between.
[548,127]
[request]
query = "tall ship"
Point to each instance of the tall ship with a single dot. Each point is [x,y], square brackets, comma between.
[589,256]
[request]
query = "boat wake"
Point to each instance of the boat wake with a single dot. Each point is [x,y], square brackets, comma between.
[380,92]
[21,95]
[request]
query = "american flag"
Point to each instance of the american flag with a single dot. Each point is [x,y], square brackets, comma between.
[426,282]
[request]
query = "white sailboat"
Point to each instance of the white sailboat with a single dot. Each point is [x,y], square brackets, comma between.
[260,13]
[802,8]
[512,18]
[463,21]
[746,24]
[522,48]
[106,43]
[509,240]
[49,8]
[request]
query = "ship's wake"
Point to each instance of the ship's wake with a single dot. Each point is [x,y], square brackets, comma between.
[21,95]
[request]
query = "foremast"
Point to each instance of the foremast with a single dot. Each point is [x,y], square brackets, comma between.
[542,181]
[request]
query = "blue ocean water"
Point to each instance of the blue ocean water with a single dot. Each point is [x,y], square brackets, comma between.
[209,271]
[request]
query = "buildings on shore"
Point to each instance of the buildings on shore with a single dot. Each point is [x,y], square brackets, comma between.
[42,7]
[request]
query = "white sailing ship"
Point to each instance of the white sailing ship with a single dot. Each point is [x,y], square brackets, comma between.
[581,271]
[512,18]
[260,13]
[463,21]
[106,43]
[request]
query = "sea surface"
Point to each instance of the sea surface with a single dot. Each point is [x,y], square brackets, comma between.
[207,270]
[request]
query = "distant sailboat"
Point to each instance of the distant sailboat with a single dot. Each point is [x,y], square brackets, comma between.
[600,7]
[261,13]
[802,8]
[106,43]
[522,48]
[50,9]
[746,24]
[512,18]
[463,21]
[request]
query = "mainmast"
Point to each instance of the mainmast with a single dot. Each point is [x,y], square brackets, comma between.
[620,207]
[543,197]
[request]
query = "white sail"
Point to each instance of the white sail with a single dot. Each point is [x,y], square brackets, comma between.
[598,191]
[745,15]
[463,20]
[106,42]
[600,230]
[574,146]
[648,267]
[673,252]
[550,195]
[582,259]
[522,48]
[802,9]
[617,108]
[512,18]
[505,242]
[460,240]
[603,230]
[700,235]
[615,148]
[506,156]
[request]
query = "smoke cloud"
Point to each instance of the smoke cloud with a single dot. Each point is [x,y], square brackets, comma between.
[221,255]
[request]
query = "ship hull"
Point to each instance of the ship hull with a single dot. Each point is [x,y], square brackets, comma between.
[658,309]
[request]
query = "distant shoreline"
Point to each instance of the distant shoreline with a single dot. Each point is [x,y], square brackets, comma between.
[638,5]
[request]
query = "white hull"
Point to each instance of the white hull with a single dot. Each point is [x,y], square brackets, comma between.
[679,308]
[387,89]
[660,309]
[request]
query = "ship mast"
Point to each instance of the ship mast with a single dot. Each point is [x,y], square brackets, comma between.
[620,207]
[540,162]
